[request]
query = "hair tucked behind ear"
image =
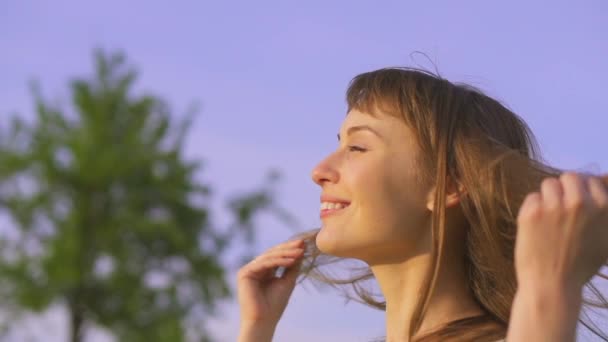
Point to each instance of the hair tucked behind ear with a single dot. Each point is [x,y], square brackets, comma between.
[472,139]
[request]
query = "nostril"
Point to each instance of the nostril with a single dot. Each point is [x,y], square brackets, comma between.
[317,177]
[324,173]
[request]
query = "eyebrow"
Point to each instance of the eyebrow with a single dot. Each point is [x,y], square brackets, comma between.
[359,128]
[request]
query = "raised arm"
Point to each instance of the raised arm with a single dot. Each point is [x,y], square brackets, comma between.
[562,241]
[264,297]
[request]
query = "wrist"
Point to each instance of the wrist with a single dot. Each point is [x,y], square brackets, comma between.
[550,299]
[547,292]
[256,332]
[545,312]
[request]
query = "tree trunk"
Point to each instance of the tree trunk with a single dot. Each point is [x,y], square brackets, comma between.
[77,323]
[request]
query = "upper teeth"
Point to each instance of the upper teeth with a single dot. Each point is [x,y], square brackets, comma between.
[332,205]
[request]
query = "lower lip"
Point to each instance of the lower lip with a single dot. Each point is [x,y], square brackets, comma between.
[328,212]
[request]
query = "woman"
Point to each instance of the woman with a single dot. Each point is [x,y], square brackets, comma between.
[428,186]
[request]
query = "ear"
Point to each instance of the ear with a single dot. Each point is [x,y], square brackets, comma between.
[452,195]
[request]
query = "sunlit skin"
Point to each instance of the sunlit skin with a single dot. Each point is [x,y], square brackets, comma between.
[380,213]
[387,220]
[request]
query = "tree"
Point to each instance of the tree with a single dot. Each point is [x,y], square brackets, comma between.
[109,217]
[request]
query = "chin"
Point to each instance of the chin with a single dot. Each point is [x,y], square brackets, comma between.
[328,245]
[322,244]
[331,245]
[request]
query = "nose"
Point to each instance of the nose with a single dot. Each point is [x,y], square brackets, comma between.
[325,172]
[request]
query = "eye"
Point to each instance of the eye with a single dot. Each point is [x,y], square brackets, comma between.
[354,148]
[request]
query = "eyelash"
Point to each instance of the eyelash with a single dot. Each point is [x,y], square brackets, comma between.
[354,148]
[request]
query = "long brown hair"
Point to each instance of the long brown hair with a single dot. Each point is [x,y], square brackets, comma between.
[474,140]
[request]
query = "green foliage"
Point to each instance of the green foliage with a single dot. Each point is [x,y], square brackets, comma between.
[109,217]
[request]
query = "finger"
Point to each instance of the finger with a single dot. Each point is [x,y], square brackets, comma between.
[287,245]
[598,192]
[530,208]
[552,194]
[293,252]
[599,195]
[263,265]
[575,192]
[290,274]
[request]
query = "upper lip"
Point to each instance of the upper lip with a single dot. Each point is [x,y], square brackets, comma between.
[333,199]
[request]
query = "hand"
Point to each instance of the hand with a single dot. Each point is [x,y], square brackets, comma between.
[262,296]
[562,236]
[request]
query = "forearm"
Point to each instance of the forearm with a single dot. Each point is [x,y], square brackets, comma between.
[545,314]
[255,333]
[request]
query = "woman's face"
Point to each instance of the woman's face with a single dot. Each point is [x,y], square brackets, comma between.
[373,203]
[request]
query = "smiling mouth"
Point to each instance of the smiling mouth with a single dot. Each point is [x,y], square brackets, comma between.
[330,208]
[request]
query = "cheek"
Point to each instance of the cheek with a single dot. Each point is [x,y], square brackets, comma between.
[364,172]
[388,193]
[379,197]
[400,201]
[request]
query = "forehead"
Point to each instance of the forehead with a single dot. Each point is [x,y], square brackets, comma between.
[357,116]
[391,127]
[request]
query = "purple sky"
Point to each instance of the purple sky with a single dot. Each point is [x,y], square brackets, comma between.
[271,76]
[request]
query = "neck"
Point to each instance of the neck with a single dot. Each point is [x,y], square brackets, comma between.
[401,285]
